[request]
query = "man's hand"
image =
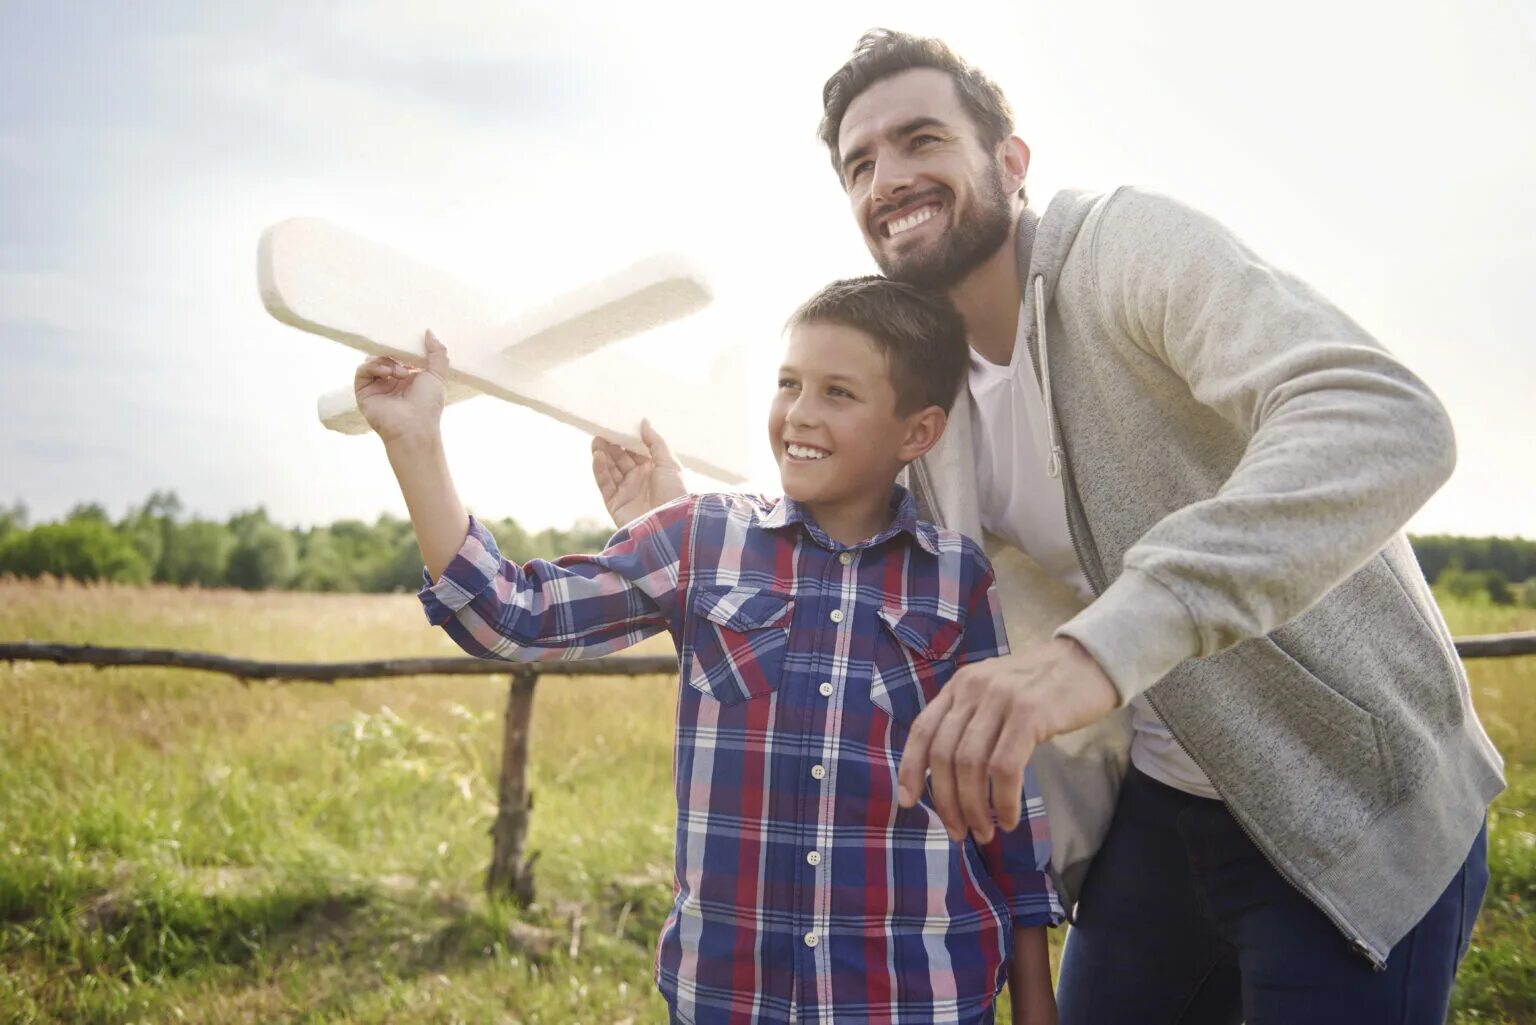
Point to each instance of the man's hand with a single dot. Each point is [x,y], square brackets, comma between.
[633,484]
[401,402]
[985,723]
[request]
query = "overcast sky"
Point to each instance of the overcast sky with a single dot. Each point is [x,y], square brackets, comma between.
[1384,151]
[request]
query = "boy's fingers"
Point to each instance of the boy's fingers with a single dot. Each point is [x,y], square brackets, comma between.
[914,755]
[661,455]
[624,461]
[602,471]
[437,357]
[376,366]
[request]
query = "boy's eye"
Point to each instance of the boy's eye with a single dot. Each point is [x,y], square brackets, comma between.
[842,393]
[788,382]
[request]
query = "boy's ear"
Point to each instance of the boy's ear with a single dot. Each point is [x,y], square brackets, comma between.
[923,430]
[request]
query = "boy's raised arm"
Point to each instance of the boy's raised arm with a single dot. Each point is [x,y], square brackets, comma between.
[404,406]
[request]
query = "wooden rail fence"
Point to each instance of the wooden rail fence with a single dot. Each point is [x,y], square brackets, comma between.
[510,873]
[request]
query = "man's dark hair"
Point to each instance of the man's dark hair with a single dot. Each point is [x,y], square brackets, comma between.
[920,334]
[881,53]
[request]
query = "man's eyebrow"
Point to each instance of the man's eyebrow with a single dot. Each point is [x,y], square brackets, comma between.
[904,129]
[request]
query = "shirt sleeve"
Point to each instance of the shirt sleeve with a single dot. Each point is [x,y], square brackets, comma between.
[577,606]
[1018,861]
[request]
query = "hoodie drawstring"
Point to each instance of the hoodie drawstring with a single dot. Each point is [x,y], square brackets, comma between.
[1053,463]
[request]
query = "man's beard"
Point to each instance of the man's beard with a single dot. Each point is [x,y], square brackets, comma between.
[968,244]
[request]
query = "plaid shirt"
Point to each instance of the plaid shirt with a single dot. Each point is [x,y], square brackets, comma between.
[803,892]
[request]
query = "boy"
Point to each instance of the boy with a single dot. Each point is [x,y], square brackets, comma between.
[811,631]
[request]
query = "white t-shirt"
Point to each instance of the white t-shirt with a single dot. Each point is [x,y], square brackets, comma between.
[1025,506]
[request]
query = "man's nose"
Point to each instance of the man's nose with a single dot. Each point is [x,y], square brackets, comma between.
[891,177]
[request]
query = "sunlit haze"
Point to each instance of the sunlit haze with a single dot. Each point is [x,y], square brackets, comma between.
[1383,151]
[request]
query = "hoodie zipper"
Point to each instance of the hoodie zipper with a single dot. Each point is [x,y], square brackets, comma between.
[1057,467]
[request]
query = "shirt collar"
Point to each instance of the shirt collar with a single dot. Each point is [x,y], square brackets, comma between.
[788,513]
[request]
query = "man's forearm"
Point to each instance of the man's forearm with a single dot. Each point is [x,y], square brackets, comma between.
[437,515]
[1029,978]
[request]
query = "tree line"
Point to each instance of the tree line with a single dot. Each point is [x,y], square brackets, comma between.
[157,542]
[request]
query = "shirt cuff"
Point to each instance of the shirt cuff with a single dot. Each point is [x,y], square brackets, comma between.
[1029,910]
[473,568]
[1136,631]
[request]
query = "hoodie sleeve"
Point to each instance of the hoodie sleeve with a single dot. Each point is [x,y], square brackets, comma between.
[1344,443]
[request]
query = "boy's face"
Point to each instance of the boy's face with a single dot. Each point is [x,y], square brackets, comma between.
[833,423]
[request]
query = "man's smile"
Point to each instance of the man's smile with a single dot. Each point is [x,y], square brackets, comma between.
[897,225]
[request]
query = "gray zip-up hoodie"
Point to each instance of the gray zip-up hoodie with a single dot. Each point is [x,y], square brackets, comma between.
[1239,459]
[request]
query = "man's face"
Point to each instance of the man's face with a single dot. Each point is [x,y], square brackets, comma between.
[833,424]
[930,200]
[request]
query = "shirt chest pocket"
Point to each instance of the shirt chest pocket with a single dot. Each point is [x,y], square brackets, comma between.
[740,636]
[914,657]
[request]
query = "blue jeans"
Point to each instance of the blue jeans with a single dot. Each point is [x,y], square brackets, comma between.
[1183,921]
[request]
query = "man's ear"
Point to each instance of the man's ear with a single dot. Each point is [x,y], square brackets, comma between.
[1014,153]
[922,431]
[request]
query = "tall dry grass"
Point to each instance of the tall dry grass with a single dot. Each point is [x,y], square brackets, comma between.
[175,846]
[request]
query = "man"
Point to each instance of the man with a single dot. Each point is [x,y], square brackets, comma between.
[1219,463]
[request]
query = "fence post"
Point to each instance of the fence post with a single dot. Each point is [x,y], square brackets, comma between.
[510,875]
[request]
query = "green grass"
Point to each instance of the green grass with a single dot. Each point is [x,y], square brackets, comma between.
[177,847]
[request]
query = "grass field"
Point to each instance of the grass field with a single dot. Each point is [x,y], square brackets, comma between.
[177,847]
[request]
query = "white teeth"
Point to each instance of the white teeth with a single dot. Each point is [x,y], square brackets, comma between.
[910,221]
[802,452]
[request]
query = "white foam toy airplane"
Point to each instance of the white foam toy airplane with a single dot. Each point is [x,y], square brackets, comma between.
[321,278]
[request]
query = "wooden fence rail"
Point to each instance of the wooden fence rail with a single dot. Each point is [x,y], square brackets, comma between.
[510,873]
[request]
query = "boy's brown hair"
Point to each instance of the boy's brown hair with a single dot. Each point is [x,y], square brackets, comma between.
[920,334]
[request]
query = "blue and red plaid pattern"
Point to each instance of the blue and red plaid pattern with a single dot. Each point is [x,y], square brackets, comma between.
[803,891]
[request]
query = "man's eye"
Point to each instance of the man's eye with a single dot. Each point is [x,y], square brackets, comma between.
[923,140]
[860,169]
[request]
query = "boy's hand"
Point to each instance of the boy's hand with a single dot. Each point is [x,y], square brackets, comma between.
[401,402]
[633,484]
[985,723]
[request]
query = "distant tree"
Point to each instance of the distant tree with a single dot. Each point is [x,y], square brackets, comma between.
[83,549]
[1525,594]
[88,512]
[149,527]
[197,552]
[265,555]
[1514,557]
[403,570]
[1474,585]
[323,564]
[13,518]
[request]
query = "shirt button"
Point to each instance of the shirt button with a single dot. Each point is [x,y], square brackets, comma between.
[845,558]
[811,939]
[813,858]
[825,690]
[837,615]
[818,772]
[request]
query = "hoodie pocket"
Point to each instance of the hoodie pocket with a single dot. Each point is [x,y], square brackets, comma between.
[914,658]
[740,636]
